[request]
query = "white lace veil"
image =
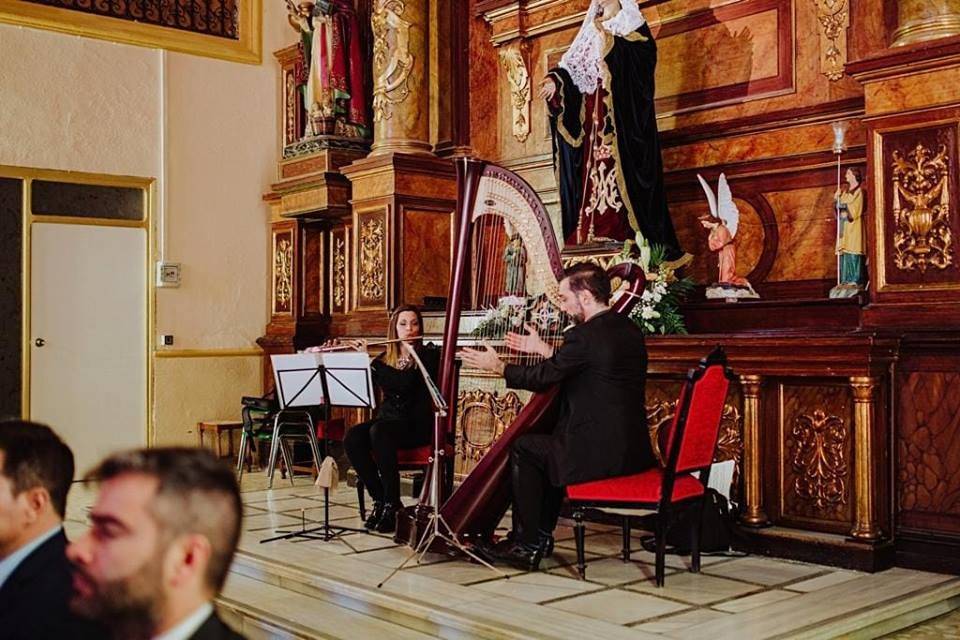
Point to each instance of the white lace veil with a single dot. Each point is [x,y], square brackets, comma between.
[582,59]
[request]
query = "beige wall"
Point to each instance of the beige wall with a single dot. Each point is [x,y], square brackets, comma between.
[208,131]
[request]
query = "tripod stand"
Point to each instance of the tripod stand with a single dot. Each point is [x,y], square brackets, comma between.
[437,527]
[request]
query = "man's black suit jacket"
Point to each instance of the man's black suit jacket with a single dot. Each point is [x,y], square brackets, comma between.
[214,629]
[34,601]
[601,368]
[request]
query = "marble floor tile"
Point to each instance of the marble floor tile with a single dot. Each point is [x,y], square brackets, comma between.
[618,606]
[696,588]
[821,582]
[393,556]
[288,504]
[601,543]
[461,572]
[611,571]
[676,623]
[756,600]
[762,570]
[564,562]
[270,520]
[537,587]
[316,513]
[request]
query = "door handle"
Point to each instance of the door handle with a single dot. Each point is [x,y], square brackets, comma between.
[39,342]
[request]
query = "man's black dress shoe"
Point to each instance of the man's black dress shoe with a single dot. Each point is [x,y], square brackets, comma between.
[519,555]
[374,518]
[546,543]
[388,521]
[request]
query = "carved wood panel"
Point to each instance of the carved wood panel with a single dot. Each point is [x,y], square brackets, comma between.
[815,457]
[482,417]
[282,268]
[928,451]
[371,272]
[339,269]
[919,228]
[312,292]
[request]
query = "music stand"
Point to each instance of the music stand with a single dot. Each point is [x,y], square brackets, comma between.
[334,379]
[436,527]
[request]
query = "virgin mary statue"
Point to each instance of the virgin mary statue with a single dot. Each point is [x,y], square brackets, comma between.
[605,142]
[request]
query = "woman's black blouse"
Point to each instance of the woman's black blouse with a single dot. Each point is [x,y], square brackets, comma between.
[405,394]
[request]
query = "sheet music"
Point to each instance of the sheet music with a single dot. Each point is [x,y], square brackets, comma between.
[348,379]
[296,379]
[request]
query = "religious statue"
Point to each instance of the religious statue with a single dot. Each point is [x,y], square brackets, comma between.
[605,141]
[723,221]
[515,259]
[851,238]
[333,95]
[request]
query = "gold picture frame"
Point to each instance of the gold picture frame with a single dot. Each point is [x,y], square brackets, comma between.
[248,48]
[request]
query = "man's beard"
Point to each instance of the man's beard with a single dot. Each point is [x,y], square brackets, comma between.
[130,607]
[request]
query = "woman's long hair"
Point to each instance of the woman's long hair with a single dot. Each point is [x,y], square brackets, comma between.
[394,349]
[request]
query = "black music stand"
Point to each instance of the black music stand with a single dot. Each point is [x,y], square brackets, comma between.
[436,527]
[352,388]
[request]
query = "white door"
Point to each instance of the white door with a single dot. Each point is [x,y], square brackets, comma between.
[88,354]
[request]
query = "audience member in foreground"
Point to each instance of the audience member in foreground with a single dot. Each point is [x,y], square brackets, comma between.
[36,469]
[165,527]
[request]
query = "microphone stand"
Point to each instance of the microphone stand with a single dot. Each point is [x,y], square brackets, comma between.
[437,527]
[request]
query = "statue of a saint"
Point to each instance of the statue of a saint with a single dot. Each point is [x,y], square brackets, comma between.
[332,53]
[605,141]
[851,242]
[515,259]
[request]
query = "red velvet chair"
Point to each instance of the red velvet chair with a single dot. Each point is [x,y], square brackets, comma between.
[691,443]
[416,459]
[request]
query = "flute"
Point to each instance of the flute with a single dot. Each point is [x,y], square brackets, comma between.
[345,347]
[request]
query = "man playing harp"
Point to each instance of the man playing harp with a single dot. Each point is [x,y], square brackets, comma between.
[605,141]
[601,432]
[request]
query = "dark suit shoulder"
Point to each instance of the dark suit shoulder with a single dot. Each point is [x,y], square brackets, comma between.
[215,629]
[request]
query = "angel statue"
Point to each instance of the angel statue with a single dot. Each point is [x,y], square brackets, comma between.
[723,222]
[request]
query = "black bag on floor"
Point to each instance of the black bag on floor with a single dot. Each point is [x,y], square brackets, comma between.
[715,533]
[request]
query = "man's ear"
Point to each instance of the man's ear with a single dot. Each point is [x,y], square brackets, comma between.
[38,499]
[188,558]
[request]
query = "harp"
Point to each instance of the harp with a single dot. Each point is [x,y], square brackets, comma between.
[497,210]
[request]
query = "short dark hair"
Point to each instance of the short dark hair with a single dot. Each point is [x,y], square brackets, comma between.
[587,276]
[35,456]
[196,493]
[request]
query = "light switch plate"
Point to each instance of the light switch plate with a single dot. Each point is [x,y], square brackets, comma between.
[168,274]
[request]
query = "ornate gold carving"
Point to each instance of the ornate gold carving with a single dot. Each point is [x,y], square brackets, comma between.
[291,107]
[371,259]
[282,275]
[392,60]
[834,18]
[513,59]
[730,444]
[922,238]
[659,414]
[482,418]
[819,458]
[339,273]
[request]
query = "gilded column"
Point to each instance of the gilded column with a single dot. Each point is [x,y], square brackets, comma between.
[919,20]
[753,514]
[401,91]
[864,398]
